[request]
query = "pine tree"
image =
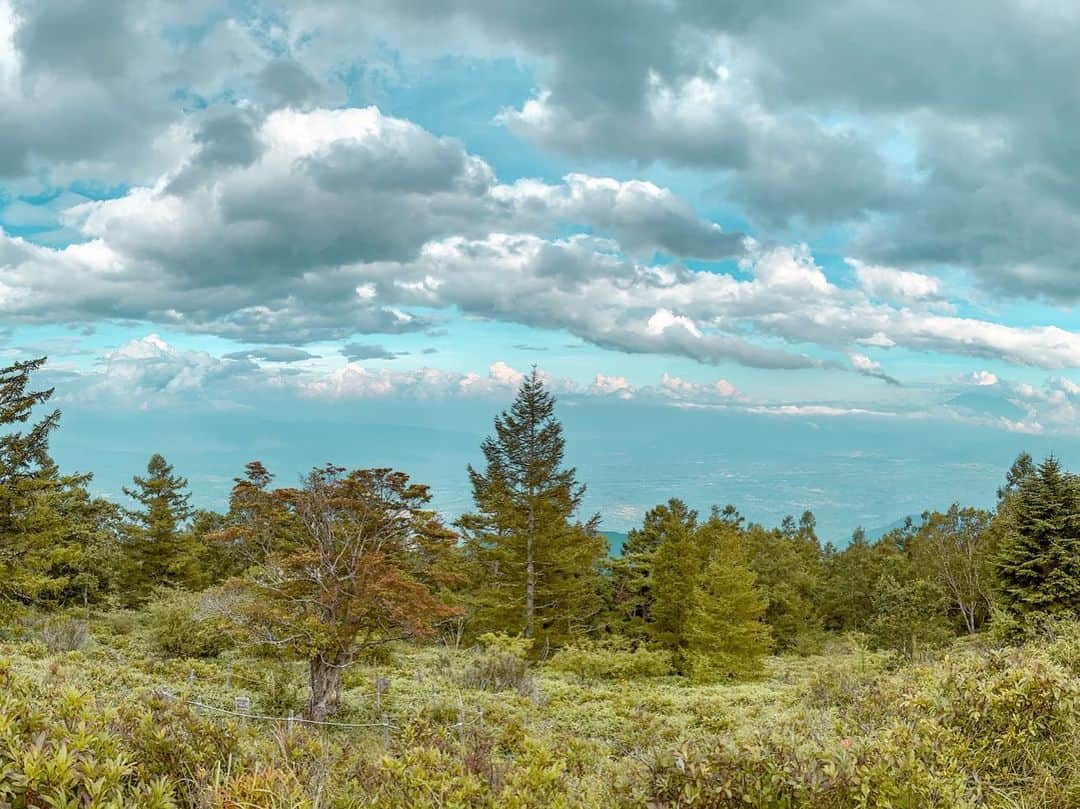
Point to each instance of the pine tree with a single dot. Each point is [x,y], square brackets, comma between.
[537,567]
[1038,566]
[677,564]
[159,549]
[725,635]
[633,571]
[27,475]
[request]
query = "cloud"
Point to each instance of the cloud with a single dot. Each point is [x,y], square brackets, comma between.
[148,372]
[361,351]
[353,381]
[282,354]
[894,285]
[980,378]
[932,162]
[616,386]
[868,367]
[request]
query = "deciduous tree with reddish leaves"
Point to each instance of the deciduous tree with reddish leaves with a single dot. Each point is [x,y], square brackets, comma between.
[344,561]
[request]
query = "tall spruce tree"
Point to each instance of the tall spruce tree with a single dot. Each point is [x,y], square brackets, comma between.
[536,566]
[725,634]
[159,549]
[1038,565]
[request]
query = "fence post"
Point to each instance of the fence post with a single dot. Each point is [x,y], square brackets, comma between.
[289,724]
[461,726]
[386,732]
[380,685]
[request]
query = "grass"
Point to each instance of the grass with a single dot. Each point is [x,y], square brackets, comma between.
[977,726]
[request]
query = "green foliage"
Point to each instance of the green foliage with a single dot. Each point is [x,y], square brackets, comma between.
[159,551]
[535,569]
[725,636]
[614,659]
[633,586]
[955,549]
[502,663]
[676,565]
[1038,566]
[993,730]
[909,617]
[851,576]
[788,565]
[58,545]
[183,624]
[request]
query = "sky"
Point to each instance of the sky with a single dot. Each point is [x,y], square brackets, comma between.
[785,255]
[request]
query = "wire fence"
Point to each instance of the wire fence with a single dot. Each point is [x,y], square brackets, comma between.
[242,711]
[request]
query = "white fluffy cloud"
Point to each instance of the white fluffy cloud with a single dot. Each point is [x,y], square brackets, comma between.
[322,224]
[981,378]
[894,285]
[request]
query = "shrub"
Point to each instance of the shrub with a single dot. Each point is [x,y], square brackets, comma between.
[501,664]
[182,624]
[61,633]
[614,660]
[280,694]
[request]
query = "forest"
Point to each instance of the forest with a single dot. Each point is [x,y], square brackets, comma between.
[332,641]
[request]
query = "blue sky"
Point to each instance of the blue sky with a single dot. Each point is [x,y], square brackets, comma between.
[752,271]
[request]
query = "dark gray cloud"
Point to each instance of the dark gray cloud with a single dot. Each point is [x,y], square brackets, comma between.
[364,351]
[224,140]
[945,133]
[282,354]
[287,83]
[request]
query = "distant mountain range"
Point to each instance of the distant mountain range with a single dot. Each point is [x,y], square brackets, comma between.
[615,542]
[616,539]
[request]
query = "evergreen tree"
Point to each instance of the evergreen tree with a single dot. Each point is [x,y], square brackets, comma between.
[633,571]
[1038,566]
[725,635]
[65,545]
[57,543]
[160,552]
[677,563]
[537,566]
[1021,469]
[788,565]
[851,577]
[23,454]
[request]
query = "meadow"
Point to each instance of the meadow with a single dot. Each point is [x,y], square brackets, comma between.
[99,714]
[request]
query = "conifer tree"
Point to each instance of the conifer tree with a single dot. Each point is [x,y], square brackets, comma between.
[159,549]
[633,571]
[724,635]
[537,566]
[788,565]
[1038,566]
[57,542]
[677,563]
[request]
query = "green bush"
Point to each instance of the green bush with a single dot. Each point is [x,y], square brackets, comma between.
[612,660]
[502,663]
[182,624]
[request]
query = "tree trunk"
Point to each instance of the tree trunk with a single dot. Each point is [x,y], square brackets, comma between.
[325,684]
[530,580]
